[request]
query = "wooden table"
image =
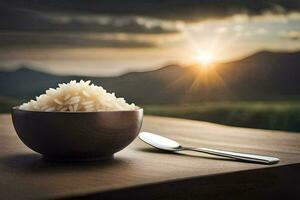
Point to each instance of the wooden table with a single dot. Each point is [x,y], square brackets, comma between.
[141,172]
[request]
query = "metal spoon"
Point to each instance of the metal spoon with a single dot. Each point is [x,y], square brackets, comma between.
[167,144]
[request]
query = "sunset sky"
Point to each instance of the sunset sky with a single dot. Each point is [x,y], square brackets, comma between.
[112,37]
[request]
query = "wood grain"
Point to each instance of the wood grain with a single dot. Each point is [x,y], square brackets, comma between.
[140,171]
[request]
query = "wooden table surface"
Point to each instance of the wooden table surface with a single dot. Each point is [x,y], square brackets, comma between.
[140,171]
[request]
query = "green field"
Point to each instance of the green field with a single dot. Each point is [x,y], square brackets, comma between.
[283,115]
[264,115]
[6,103]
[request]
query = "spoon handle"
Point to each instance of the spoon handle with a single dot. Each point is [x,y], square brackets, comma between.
[238,156]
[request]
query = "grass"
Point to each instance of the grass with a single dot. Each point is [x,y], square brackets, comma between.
[264,115]
[6,103]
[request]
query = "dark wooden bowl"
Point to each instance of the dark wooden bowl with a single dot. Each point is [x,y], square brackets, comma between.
[77,136]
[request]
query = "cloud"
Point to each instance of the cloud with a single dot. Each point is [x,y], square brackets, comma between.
[261,31]
[24,27]
[68,22]
[29,20]
[186,10]
[238,28]
[291,35]
[222,30]
[46,40]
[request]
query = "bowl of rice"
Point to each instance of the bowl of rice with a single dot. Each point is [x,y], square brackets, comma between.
[77,121]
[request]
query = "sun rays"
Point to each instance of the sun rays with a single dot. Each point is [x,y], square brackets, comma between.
[205,59]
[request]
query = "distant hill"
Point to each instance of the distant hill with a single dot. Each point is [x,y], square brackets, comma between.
[264,75]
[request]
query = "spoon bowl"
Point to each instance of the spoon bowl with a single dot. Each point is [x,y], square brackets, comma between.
[160,142]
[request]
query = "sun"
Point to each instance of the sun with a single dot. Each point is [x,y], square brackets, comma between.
[205,59]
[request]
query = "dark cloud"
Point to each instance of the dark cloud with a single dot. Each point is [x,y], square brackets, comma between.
[46,40]
[16,19]
[165,9]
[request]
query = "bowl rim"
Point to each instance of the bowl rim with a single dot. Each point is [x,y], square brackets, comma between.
[79,112]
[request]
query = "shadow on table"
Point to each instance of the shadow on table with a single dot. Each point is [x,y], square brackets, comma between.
[280,182]
[34,163]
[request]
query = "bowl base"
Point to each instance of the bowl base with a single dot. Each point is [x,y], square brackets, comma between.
[71,159]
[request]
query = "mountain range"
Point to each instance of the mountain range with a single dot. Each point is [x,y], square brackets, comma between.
[262,76]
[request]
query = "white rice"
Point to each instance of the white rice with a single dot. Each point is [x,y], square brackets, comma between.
[77,97]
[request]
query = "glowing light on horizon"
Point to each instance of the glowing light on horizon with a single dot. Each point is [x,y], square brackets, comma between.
[205,59]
